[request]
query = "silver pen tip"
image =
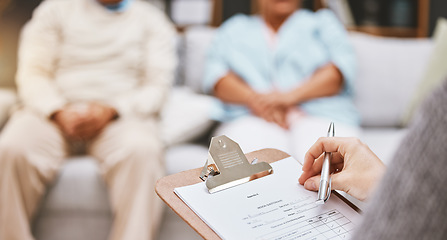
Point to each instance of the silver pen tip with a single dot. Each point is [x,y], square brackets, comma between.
[331,130]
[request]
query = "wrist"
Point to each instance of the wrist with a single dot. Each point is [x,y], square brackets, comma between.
[372,181]
[293,97]
[377,177]
[250,98]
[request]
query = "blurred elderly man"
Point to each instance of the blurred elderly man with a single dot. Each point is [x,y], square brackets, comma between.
[96,72]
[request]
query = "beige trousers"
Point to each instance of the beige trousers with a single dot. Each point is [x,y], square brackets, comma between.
[130,156]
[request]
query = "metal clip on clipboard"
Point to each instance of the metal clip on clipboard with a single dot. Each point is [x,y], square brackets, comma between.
[227,166]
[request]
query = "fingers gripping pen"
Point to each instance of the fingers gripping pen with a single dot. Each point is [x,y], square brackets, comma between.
[324,191]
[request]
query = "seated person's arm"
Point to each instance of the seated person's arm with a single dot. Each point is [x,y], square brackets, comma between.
[232,89]
[326,81]
[38,53]
[356,169]
[40,43]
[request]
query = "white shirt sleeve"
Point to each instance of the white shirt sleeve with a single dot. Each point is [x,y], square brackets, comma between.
[37,59]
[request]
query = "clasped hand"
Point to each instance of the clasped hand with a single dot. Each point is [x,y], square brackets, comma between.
[83,121]
[273,107]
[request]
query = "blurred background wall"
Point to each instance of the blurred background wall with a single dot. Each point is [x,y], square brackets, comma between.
[14,13]
[395,18]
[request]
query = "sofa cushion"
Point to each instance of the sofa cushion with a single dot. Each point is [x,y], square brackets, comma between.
[184,157]
[196,42]
[76,205]
[78,189]
[83,226]
[185,116]
[389,70]
[384,142]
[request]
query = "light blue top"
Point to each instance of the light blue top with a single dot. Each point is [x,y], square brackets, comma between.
[305,42]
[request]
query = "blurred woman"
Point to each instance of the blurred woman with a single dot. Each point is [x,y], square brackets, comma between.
[282,76]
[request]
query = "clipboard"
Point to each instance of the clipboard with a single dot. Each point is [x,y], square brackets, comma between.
[166,185]
[165,190]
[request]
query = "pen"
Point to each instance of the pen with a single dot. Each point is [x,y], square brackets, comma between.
[324,191]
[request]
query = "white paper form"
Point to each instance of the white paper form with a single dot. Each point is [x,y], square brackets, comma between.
[273,207]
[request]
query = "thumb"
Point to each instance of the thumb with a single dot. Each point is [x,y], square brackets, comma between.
[313,183]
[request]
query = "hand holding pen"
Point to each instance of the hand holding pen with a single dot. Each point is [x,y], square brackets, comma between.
[355,169]
[324,190]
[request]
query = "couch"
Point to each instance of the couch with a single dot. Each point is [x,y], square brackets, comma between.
[76,204]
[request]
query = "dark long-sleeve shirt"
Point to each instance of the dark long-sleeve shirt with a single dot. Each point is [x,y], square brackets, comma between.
[411,202]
